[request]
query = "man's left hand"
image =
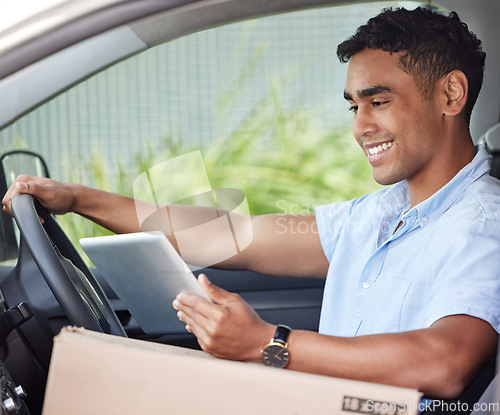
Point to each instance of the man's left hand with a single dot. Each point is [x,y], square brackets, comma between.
[227,328]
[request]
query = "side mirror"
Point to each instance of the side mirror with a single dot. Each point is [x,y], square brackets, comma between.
[12,164]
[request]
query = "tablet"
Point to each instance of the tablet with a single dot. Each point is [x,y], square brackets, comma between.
[146,273]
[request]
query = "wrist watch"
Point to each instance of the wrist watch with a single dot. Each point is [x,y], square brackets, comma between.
[275,354]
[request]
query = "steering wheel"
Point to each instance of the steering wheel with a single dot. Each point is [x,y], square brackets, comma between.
[73,285]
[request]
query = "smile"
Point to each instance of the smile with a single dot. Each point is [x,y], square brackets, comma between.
[380,148]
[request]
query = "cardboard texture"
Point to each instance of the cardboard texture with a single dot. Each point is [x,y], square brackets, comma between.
[94,373]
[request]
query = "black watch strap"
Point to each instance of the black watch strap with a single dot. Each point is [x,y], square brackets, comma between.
[282,333]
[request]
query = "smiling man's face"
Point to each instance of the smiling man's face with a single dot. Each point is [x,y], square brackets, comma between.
[396,127]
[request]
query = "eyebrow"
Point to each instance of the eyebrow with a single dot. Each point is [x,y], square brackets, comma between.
[368,92]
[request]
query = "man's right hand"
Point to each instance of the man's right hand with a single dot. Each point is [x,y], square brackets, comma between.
[55,196]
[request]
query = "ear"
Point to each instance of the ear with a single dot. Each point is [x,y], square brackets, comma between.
[455,88]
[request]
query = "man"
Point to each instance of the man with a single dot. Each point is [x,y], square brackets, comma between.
[411,294]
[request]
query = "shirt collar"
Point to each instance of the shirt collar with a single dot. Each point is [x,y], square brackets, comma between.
[397,198]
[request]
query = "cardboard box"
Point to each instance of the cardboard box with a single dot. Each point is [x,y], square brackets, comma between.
[93,373]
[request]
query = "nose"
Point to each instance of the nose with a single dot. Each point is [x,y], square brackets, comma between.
[363,123]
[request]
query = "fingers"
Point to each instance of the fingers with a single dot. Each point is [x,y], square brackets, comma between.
[22,184]
[228,327]
[196,311]
[193,310]
[216,294]
[202,317]
[57,197]
[196,322]
[22,187]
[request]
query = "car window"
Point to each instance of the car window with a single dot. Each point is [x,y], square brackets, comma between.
[261,99]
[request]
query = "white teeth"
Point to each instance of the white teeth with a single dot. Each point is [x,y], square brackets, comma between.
[380,148]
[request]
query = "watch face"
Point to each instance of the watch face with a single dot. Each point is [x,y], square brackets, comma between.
[275,355]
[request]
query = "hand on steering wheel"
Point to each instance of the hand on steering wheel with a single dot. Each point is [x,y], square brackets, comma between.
[73,285]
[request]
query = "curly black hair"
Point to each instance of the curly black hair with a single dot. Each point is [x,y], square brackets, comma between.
[433,44]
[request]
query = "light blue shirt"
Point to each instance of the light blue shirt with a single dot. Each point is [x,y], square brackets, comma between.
[444,260]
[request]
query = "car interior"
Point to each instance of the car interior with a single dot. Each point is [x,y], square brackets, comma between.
[93,92]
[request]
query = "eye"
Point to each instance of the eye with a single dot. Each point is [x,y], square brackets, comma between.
[379,103]
[353,108]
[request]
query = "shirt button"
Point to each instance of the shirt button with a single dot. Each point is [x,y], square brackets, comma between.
[425,219]
[366,284]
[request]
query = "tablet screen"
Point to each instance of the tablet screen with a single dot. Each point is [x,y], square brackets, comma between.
[146,273]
